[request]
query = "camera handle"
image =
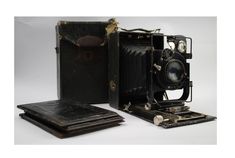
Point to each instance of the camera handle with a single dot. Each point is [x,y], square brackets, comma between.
[142,30]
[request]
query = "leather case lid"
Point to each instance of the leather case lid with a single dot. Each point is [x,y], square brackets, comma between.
[82,61]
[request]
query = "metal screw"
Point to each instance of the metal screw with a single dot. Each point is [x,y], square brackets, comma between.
[147,106]
[158,67]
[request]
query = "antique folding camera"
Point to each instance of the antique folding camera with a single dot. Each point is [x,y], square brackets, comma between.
[143,67]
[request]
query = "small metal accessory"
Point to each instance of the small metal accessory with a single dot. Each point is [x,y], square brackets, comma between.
[158,119]
[112,26]
[158,67]
[127,106]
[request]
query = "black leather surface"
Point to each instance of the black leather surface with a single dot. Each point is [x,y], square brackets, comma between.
[68,117]
[82,62]
[64,134]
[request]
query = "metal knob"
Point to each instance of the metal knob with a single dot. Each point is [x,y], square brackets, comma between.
[158,119]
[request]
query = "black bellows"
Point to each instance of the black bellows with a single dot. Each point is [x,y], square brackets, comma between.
[133,67]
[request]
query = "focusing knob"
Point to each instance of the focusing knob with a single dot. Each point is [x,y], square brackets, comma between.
[158,119]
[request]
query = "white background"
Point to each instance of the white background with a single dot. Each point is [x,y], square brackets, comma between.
[35,81]
[223,10]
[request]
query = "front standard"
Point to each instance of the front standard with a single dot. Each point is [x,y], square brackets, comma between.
[143,67]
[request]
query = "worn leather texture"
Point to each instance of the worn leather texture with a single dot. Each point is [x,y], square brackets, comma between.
[82,61]
[68,118]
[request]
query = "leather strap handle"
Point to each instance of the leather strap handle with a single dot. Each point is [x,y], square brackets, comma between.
[141,29]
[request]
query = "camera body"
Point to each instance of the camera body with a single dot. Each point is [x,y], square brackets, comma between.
[143,66]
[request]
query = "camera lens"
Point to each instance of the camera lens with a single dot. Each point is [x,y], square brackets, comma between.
[175,71]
